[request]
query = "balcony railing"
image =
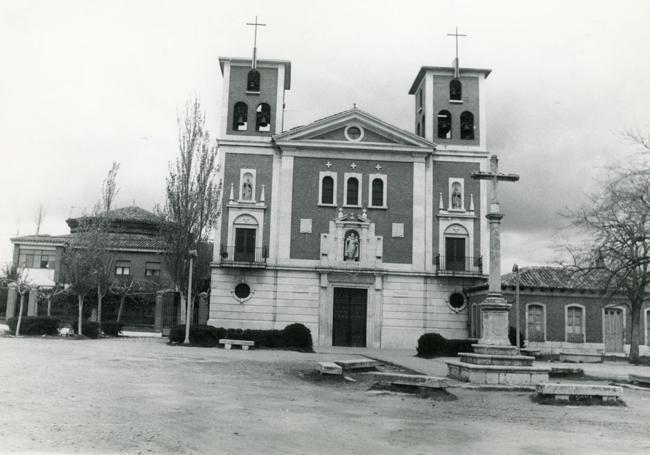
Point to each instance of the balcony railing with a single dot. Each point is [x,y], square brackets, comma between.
[459,265]
[233,256]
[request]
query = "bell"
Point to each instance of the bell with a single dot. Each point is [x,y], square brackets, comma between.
[240,120]
[264,121]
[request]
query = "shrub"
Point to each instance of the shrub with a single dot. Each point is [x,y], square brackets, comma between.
[298,336]
[35,325]
[294,336]
[512,336]
[431,345]
[435,345]
[112,328]
[200,335]
[88,328]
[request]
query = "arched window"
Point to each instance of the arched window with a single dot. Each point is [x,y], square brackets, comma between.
[455,90]
[240,117]
[467,125]
[535,323]
[417,129]
[263,122]
[575,324]
[327,195]
[444,124]
[424,126]
[352,196]
[377,193]
[253,81]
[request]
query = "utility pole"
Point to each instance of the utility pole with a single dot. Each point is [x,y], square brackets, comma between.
[515,268]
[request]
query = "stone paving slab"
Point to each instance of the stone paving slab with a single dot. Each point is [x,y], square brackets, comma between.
[357,364]
[411,379]
[579,390]
[643,379]
[330,368]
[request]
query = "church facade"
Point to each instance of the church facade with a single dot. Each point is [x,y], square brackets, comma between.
[362,231]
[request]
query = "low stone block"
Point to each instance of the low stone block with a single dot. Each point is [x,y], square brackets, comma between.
[579,390]
[494,349]
[357,364]
[640,379]
[330,368]
[433,382]
[581,357]
[566,371]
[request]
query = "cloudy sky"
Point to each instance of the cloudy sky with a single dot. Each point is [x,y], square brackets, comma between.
[85,83]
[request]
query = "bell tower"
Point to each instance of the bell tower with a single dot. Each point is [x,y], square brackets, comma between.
[450,105]
[253,94]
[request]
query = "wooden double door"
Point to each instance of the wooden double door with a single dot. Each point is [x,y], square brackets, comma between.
[350,317]
[613,333]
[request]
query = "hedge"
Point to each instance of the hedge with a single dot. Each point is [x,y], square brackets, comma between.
[88,329]
[35,325]
[435,345]
[293,336]
[112,328]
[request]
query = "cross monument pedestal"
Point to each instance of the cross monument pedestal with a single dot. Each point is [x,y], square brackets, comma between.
[495,360]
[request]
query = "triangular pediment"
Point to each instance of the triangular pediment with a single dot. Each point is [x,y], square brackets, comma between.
[349,128]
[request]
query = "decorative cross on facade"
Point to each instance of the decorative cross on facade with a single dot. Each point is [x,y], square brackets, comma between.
[378,167]
[328,164]
[494,218]
[353,166]
[456,63]
[255,24]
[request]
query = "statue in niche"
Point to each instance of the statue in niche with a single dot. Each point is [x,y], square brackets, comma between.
[247,188]
[351,246]
[456,196]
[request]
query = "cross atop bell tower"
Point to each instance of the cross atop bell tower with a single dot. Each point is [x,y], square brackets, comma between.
[456,62]
[258,24]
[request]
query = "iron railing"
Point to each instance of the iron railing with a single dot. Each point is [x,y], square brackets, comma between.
[250,257]
[451,265]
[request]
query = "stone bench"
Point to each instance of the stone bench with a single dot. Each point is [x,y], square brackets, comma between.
[357,364]
[245,344]
[581,356]
[330,368]
[640,379]
[566,371]
[564,392]
[419,380]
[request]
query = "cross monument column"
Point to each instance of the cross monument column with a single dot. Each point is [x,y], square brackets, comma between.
[494,309]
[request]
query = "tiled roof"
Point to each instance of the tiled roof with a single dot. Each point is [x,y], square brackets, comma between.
[544,277]
[133,213]
[115,241]
[42,238]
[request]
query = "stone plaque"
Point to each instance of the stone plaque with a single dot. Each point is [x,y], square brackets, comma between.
[398,230]
[305,225]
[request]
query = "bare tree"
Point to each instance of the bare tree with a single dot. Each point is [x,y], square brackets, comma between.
[19,278]
[615,228]
[77,263]
[192,198]
[39,217]
[48,293]
[124,287]
[109,188]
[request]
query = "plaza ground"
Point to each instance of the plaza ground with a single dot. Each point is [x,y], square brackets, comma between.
[139,395]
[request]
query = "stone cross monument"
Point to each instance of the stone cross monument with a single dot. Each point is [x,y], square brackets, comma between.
[494,310]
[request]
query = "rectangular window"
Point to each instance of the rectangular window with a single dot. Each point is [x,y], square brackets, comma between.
[122,267]
[152,269]
[36,259]
[455,254]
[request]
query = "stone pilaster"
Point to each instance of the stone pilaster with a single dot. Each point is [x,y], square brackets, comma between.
[12,298]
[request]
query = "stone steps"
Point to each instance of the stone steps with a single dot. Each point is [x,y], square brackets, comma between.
[489,349]
[330,368]
[497,374]
[639,378]
[489,359]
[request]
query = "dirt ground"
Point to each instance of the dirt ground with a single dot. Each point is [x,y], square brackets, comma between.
[141,396]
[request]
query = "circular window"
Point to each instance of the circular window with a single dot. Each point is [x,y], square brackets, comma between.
[242,291]
[354,133]
[457,300]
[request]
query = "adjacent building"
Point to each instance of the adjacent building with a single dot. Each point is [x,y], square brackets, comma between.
[562,309]
[364,232]
[133,238]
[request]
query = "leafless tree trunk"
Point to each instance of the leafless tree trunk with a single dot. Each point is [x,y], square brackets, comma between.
[39,217]
[80,302]
[20,313]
